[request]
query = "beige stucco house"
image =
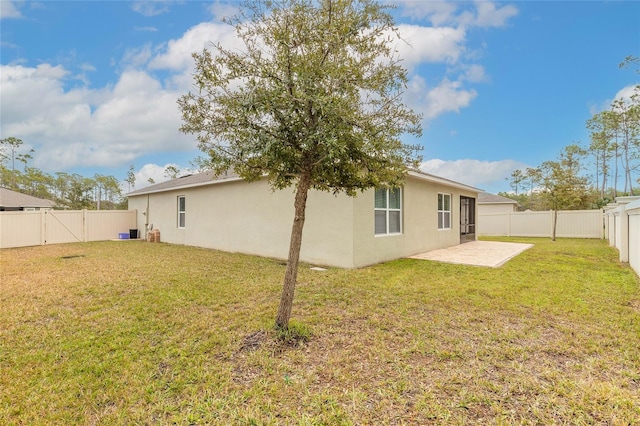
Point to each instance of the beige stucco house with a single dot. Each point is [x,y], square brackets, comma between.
[230,214]
[492,203]
[17,201]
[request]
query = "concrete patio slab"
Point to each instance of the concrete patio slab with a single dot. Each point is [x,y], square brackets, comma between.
[478,253]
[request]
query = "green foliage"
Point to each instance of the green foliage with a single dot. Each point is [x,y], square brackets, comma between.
[517,178]
[131,178]
[615,142]
[627,120]
[556,185]
[171,172]
[295,334]
[631,61]
[9,150]
[604,148]
[563,186]
[315,92]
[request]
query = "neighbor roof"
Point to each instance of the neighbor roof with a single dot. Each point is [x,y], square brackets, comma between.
[486,198]
[9,198]
[209,178]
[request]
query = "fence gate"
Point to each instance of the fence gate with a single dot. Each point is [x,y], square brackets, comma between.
[22,229]
[63,226]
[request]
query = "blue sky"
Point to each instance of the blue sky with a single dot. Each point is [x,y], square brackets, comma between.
[92,85]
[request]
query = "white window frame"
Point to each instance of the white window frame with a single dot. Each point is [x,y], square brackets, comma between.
[182,214]
[442,213]
[387,210]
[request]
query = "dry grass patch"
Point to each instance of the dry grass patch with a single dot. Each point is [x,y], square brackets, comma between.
[136,333]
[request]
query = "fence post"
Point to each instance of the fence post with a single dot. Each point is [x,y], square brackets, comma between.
[43,227]
[508,223]
[84,226]
[624,234]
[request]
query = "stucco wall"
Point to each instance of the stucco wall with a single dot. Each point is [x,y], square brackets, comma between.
[250,218]
[420,224]
[339,230]
[496,208]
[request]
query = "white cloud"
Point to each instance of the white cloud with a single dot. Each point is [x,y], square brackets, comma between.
[9,45]
[137,57]
[83,127]
[24,89]
[87,67]
[447,96]
[154,172]
[488,15]
[176,55]
[426,44]
[8,9]
[150,8]
[623,94]
[223,10]
[475,74]
[626,92]
[481,174]
[146,29]
[481,13]
[150,171]
[138,114]
[108,126]
[438,12]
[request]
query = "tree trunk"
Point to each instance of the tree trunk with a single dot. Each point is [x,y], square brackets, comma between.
[615,177]
[291,275]
[555,224]
[605,171]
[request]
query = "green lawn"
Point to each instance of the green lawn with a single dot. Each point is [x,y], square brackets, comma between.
[140,333]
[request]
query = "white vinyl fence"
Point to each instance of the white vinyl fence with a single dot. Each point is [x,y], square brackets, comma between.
[21,229]
[622,220]
[571,224]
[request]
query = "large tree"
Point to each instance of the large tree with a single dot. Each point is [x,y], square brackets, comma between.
[516,180]
[628,128]
[131,178]
[313,100]
[603,147]
[563,184]
[9,148]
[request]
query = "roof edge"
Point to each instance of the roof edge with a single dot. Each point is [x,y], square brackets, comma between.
[186,186]
[416,174]
[444,181]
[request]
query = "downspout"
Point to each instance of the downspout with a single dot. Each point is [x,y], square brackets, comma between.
[146,220]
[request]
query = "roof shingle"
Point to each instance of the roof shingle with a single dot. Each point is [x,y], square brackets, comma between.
[486,198]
